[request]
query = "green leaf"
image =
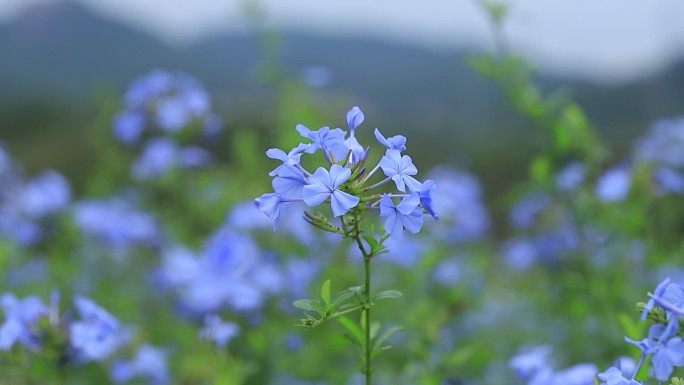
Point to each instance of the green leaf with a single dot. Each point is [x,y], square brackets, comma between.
[339,298]
[353,329]
[374,329]
[388,294]
[304,304]
[377,343]
[325,292]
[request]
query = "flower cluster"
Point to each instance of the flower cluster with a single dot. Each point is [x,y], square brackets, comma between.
[663,147]
[230,270]
[27,204]
[116,223]
[94,336]
[171,102]
[663,343]
[346,184]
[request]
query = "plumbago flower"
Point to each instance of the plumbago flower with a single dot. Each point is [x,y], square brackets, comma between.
[158,107]
[663,344]
[345,183]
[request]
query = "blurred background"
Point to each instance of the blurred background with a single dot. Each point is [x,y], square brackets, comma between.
[402,62]
[559,188]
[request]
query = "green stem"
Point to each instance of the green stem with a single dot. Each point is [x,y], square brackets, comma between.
[356,235]
[366,313]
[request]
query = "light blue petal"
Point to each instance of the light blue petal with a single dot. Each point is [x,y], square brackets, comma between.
[354,117]
[314,195]
[387,206]
[414,222]
[338,175]
[394,227]
[342,202]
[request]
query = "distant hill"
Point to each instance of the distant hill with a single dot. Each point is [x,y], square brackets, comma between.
[62,53]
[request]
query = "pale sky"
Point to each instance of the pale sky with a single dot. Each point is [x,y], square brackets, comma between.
[604,39]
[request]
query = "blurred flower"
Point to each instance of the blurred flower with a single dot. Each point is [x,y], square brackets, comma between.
[45,194]
[97,334]
[570,177]
[404,252]
[217,331]
[614,184]
[520,253]
[21,317]
[162,154]
[669,180]
[299,273]
[230,270]
[528,363]
[448,272]
[613,376]
[174,99]
[23,205]
[116,223]
[129,126]
[663,144]
[149,362]
[524,212]
[458,200]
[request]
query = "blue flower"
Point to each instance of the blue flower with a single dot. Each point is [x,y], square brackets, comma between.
[129,125]
[519,253]
[406,215]
[426,192]
[330,141]
[614,184]
[174,99]
[163,154]
[614,376]
[270,204]
[659,292]
[527,364]
[570,177]
[400,168]
[324,184]
[664,143]
[289,183]
[229,270]
[292,158]
[448,272]
[149,362]
[217,331]
[98,334]
[45,194]
[20,319]
[669,180]
[116,223]
[354,118]
[397,142]
[524,212]
[463,216]
[669,355]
